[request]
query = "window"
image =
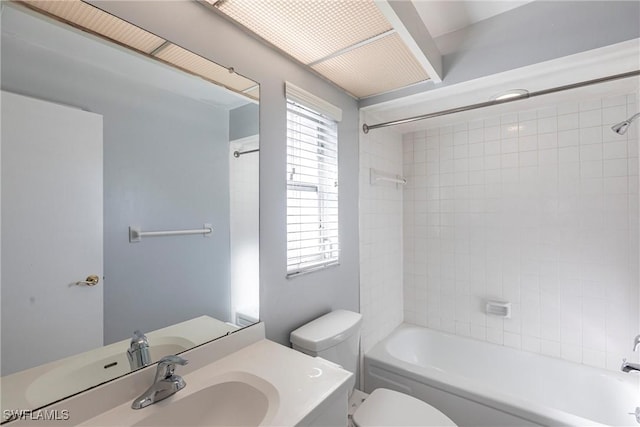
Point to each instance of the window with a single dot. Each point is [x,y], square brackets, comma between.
[312,182]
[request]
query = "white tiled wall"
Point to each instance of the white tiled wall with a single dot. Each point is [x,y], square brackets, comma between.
[539,208]
[380,237]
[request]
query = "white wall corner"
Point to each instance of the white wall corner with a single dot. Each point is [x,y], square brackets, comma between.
[404,18]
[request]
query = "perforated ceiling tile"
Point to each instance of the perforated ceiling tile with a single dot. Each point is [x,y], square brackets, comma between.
[196,64]
[97,21]
[308,30]
[378,67]
[94,20]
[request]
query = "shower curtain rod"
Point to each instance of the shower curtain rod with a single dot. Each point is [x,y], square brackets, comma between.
[366,128]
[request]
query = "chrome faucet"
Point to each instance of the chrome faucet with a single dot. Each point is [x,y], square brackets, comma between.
[138,352]
[628,366]
[165,383]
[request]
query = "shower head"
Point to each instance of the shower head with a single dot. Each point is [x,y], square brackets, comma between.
[622,127]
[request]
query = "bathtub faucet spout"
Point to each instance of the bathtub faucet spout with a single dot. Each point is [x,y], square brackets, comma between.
[636,343]
[628,366]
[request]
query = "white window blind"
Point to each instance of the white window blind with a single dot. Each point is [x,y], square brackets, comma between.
[312,189]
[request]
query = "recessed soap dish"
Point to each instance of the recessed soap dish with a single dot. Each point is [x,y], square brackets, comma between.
[499,308]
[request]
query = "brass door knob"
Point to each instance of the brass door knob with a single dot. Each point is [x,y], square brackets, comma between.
[89,281]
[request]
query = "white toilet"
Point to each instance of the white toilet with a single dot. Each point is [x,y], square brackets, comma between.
[336,337]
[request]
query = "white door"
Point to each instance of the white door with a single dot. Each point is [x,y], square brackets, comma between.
[51,231]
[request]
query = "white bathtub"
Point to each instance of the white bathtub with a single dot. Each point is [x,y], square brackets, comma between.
[481,384]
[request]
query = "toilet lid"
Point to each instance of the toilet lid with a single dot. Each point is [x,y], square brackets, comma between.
[386,407]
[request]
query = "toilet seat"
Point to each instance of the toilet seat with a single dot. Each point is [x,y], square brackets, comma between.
[386,407]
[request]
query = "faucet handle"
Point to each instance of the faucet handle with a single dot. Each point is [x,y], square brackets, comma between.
[167,365]
[139,340]
[137,334]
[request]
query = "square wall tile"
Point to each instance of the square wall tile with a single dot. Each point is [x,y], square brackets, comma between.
[535,207]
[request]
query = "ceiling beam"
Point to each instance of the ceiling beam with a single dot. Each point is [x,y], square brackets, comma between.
[352,47]
[404,18]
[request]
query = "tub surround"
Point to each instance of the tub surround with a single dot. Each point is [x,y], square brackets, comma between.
[482,384]
[300,389]
[536,207]
[381,254]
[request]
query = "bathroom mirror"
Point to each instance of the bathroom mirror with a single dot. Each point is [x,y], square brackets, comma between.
[129,200]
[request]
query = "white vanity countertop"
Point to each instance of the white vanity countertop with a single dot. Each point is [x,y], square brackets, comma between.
[47,383]
[294,383]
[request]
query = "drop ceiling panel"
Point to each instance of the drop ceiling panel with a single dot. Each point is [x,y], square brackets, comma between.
[91,19]
[377,67]
[94,19]
[198,65]
[308,30]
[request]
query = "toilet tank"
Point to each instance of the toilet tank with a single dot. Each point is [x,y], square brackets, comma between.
[334,337]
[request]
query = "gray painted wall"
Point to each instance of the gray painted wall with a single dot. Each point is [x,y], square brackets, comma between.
[536,32]
[244,121]
[165,167]
[284,304]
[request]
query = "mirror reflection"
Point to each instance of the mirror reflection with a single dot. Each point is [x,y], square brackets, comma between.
[129,203]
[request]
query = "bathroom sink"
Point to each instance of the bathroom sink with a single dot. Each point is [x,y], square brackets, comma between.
[262,383]
[210,398]
[231,403]
[95,367]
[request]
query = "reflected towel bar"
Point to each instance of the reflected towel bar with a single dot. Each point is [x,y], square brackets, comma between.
[136,234]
